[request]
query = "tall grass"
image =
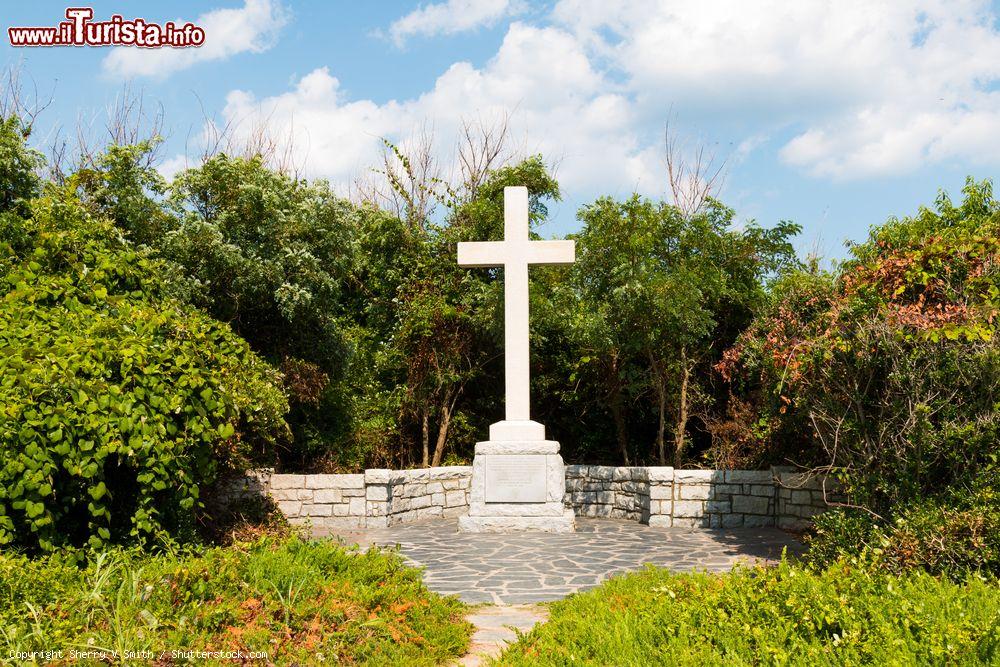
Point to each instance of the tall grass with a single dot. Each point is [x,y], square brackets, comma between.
[292,599]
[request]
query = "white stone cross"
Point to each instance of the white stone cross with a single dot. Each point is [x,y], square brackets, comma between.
[514,254]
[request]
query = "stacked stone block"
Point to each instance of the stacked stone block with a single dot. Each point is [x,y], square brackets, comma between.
[659,496]
[801,496]
[723,499]
[414,495]
[608,492]
[234,490]
[375,499]
[322,501]
[663,496]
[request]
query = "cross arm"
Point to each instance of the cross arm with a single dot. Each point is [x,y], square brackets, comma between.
[551,252]
[481,253]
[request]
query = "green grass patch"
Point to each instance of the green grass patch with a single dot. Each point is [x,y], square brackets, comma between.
[297,600]
[843,615]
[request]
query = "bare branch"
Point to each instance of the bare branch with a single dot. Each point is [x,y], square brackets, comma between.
[407,181]
[20,98]
[253,137]
[693,175]
[128,120]
[482,148]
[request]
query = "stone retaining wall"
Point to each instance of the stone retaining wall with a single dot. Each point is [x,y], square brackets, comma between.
[659,496]
[324,501]
[405,496]
[801,496]
[375,499]
[724,499]
[612,492]
[662,496]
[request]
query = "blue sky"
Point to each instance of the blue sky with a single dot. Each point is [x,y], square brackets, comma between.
[835,115]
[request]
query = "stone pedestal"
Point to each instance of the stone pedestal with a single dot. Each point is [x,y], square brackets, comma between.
[517,484]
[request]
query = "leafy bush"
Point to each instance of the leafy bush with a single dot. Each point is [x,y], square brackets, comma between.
[268,254]
[300,602]
[18,180]
[116,403]
[653,295]
[956,536]
[889,370]
[122,185]
[846,614]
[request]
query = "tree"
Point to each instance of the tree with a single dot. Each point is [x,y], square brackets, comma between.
[652,283]
[121,184]
[19,181]
[890,366]
[643,272]
[694,180]
[268,255]
[450,324]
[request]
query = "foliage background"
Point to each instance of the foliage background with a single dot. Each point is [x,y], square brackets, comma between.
[239,315]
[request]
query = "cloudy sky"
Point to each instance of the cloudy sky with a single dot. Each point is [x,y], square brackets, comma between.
[833,114]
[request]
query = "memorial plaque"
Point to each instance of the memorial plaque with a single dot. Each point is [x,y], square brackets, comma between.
[515,479]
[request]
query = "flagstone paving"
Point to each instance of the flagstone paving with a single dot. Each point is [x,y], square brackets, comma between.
[524,568]
[496,627]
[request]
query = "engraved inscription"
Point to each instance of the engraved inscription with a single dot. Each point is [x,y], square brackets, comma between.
[515,479]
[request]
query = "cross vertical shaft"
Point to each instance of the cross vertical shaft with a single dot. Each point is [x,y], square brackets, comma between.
[516,308]
[514,254]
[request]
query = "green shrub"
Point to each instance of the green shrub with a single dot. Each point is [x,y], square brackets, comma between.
[301,602]
[116,403]
[838,533]
[268,255]
[844,615]
[888,370]
[955,535]
[124,187]
[18,164]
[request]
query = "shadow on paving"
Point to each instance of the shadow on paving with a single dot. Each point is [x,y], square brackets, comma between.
[523,568]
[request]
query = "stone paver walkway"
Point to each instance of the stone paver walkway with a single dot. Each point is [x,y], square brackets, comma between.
[497,626]
[524,568]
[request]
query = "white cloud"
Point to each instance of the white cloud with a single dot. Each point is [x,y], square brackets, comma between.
[451,16]
[253,27]
[840,89]
[875,88]
[748,146]
[559,104]
[333,137]
[892,139]
[173,165]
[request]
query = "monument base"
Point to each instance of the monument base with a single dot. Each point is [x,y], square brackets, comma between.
[517,524]
[517,485]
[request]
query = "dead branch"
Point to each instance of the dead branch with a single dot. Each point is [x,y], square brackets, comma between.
[407,180]
[128,120]
[693,175]
[21,98]
[482,148]
[252,137]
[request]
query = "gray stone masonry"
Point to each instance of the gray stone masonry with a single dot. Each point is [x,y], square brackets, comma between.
[547,514]
[663,496]
[377,498]
[540,567]
[801,496]
[658,496]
